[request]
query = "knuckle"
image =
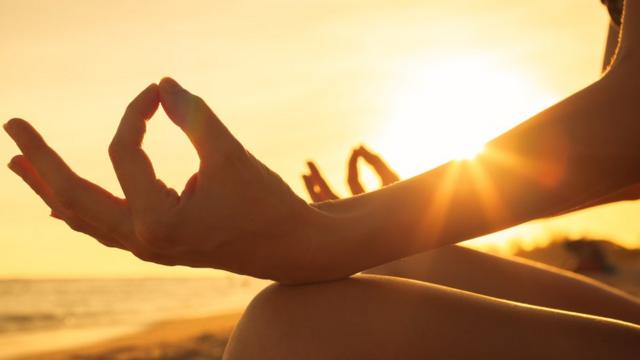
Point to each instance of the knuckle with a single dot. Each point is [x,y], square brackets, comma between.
[115,150]
[132,109]
[199,101]
[200,108]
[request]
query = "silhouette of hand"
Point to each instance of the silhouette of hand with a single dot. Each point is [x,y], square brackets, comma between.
[320,191]
[385,173]
[317,187]
[353,174]
[234,213]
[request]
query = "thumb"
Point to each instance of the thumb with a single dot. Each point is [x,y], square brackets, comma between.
[207,133]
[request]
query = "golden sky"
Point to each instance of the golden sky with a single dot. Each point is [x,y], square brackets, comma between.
[419,81]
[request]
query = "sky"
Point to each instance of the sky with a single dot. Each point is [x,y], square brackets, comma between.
[420,82]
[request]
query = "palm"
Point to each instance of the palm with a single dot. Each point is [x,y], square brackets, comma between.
[234,213]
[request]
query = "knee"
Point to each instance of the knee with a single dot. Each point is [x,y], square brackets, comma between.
[296,321]
[271,309]
[272,323]
[248,334]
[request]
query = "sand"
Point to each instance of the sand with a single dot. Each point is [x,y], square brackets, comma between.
[194,339]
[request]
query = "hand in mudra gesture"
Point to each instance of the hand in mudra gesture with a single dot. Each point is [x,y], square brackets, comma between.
[320,191]
[234,213]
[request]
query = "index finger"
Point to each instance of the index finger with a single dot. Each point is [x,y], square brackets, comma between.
[74,193]
[131,164]
[386,174]
[353,176]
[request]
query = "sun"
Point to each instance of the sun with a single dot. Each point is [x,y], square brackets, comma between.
[448,110]
[468,152]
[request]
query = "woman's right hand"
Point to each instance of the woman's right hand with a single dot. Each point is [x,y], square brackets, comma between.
[234,213]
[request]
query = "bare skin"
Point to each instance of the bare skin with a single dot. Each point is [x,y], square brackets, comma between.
[387,317]
[235,214]
[514,279]
[507,278]
[377,317]
[232,198]
[320,191]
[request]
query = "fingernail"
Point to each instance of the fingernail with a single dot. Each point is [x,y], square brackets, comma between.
[14,163]
[15,168]
[172,85]
[8,127]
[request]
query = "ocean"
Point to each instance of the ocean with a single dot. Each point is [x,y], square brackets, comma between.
[44,315]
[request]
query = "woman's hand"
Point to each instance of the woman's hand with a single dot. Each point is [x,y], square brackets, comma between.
[320,191]
[234,213]
[385,173]
[317,187]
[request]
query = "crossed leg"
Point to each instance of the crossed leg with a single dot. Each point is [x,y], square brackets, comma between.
[514,279]
[379,317]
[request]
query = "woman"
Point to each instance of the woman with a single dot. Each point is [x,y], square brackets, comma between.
[235,214]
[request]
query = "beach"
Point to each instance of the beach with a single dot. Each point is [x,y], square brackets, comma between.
[120,318]
[193,337]
[199,338]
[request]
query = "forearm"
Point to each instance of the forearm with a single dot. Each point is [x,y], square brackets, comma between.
[577,151]
[572,154]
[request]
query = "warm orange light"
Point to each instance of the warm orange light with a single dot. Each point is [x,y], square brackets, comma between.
[448,109]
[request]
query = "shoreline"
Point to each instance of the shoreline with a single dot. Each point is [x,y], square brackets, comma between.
[202,337]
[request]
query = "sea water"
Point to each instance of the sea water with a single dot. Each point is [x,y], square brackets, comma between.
[43,315]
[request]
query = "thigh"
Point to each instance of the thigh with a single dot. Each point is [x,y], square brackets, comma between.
[376,317]
[514,279]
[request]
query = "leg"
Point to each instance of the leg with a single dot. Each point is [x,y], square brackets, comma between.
[514,279]
[374,317]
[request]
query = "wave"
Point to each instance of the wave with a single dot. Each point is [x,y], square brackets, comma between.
[29,321]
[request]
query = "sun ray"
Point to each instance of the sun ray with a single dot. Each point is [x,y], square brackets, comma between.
[443,110]
[438,207]
[494,207]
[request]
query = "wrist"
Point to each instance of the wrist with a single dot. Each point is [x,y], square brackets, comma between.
[307,245]
[329,244]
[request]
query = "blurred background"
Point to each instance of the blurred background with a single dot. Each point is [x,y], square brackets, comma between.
[419,82]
